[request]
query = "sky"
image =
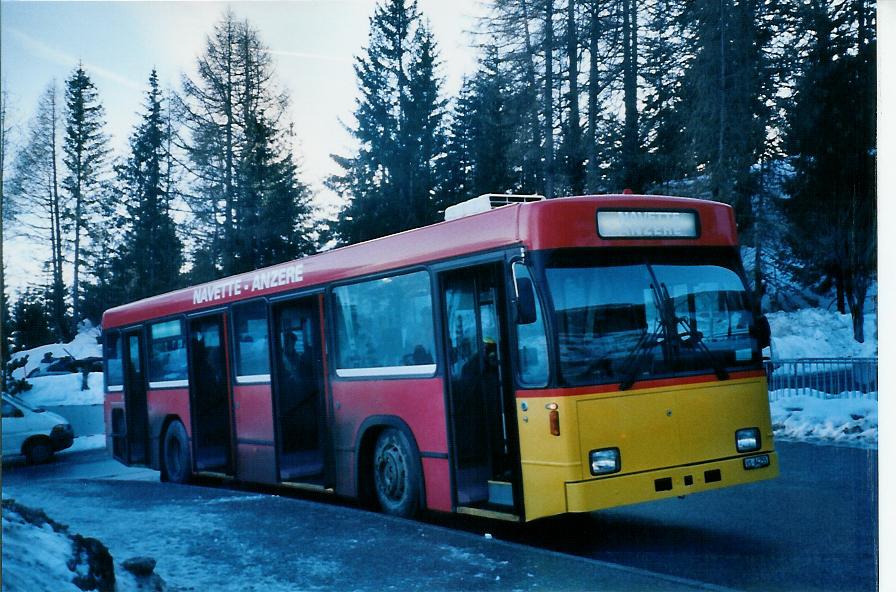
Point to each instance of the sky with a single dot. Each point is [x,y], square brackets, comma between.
[313,43]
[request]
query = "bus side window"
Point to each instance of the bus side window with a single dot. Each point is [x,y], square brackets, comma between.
[250,323]
[168,352]
[385,323]
[112,354]
[532,343]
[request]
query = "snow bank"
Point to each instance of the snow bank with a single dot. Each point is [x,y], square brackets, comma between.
[34,557]
[64,389]
[820,333]
[819,419]
[39,554]
[84,345]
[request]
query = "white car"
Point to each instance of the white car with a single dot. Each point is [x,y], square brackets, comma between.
[32,431]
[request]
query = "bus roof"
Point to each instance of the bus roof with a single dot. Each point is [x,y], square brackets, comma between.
[548,224]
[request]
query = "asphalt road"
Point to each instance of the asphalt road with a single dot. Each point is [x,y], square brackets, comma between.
[813,528]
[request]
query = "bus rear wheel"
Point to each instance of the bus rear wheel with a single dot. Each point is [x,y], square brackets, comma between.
[396,474]
[176,465]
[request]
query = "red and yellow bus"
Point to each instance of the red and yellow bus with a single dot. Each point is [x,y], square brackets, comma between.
[538,358]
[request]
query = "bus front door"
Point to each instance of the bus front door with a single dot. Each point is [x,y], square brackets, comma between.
[210,401]
[479,417]
[136,412]
[299,390]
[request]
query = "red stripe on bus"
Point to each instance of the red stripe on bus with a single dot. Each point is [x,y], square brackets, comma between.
[644,384]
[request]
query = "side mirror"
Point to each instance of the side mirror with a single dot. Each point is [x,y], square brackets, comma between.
[762,331]
[526,312]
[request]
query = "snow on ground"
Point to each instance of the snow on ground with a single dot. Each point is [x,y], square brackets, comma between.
[819,419]
[39,554]
[64,389]
[84,345]
[820,333]
[83,443]
[34,557]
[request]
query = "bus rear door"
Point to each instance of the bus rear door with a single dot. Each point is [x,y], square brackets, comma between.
[136,413]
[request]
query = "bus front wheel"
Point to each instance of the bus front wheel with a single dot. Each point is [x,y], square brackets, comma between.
[396,474]
[176,454]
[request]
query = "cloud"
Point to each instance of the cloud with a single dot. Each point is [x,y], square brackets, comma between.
[310,56]
[40,49]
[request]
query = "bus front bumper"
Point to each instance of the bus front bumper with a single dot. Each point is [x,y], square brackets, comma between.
[611,491]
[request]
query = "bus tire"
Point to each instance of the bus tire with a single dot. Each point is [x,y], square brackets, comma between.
[38,451]
[176,462]
[396,474]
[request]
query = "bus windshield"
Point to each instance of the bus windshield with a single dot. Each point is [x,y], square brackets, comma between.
[627,316]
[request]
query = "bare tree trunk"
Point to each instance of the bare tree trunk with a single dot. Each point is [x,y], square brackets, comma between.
[630,141]
[594,37]
[58,288]
[4,139]
[574,125]
[719,184]
[757,238]
[229,197]
[548,49]
[530,75]
[77,246]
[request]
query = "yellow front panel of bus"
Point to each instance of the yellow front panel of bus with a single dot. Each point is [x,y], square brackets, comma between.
[653,429]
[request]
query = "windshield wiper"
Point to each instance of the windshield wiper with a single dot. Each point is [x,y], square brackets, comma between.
[694,339]
[667,325]
[633,360]
[645,345]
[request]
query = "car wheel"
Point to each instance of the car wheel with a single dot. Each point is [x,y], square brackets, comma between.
[396,474]
[176,465]
[38,451]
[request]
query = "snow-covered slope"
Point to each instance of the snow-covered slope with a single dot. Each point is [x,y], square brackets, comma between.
[84,345]
[820,333]
[65,389]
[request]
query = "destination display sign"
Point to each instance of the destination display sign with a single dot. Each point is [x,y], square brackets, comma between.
[258,281]
[647,224]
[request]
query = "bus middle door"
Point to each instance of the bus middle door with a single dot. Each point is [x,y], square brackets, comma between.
[300,408]
[210,400]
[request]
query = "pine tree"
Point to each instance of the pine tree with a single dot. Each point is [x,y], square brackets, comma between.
[84,154]
[31,317]
[481,138]
[106,284]
[722,93]
[832,137]
[151,253]
[391,180]
[249,201]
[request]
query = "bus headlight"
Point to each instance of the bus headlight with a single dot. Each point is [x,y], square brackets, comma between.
[747,439]
[604,461]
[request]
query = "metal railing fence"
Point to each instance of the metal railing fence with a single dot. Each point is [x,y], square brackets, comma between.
[824,378]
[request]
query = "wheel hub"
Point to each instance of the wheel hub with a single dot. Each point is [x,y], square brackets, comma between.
[391,473]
